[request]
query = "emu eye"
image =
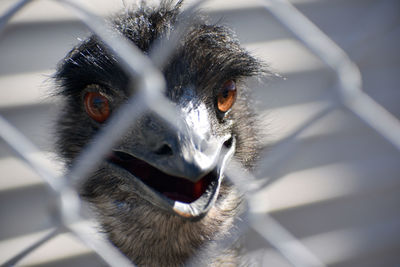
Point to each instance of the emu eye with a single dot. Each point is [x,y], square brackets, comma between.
[97,106]
[227,96]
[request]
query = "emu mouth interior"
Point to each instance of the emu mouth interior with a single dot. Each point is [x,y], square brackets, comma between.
[172,187]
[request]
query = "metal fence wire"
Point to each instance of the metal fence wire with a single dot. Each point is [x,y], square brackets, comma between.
[66,207]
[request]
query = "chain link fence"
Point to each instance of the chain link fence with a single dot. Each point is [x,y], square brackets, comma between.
[66,210]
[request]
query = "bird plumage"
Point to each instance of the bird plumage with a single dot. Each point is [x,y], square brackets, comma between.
[206,58]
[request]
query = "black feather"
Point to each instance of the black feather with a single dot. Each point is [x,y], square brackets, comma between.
[206,57]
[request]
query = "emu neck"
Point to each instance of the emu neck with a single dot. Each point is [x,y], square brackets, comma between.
[150,237]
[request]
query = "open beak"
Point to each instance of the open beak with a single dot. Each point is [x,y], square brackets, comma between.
[184,169]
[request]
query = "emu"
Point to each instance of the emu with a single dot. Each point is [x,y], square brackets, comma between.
[161,196]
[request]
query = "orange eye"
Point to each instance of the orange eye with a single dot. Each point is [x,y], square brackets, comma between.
[227,96]
[97,106]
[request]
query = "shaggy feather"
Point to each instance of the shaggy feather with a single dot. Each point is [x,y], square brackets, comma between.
[206,57]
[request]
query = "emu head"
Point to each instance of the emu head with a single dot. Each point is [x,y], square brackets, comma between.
[155,170]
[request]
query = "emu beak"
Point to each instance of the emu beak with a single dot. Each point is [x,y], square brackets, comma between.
[178,171]
[207,178]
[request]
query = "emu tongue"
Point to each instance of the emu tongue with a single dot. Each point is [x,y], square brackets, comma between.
[174,188]
[196,190]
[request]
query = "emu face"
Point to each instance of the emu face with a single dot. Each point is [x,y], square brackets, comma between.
[156,176]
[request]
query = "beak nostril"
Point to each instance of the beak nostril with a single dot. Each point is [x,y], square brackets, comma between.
[164,150]
[228,143]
